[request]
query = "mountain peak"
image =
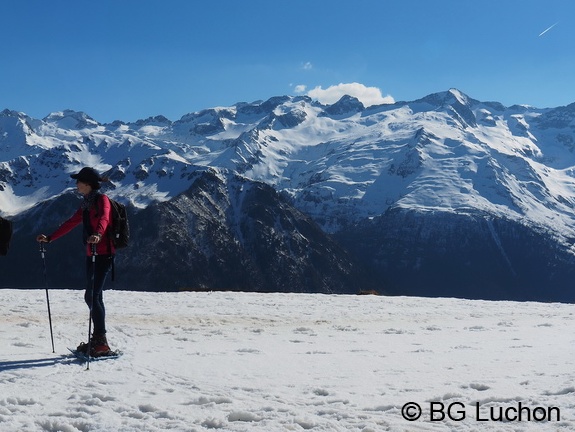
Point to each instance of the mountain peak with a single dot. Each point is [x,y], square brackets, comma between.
[11,113]
[449,97]
[158,120]
[455,102]
[346,105]
[459,96]
[70,119]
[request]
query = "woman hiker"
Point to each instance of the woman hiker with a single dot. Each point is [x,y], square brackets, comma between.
[95,214]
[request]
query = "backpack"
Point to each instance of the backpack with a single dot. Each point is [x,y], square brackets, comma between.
[120,229]
[5,235]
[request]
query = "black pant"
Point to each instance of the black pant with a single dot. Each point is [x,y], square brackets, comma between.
[96,273]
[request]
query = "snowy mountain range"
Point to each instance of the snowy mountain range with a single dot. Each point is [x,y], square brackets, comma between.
[445,195]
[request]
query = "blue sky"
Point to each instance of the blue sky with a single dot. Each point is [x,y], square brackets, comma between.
[132,59]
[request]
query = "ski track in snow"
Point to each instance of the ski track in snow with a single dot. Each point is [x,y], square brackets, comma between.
[282,362]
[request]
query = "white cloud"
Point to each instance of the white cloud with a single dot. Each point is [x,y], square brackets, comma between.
[307,66]
[299,89]
[368,96]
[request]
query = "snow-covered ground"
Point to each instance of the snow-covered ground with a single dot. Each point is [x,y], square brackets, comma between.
[287,362]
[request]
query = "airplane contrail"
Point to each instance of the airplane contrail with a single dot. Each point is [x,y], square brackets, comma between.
[547,29]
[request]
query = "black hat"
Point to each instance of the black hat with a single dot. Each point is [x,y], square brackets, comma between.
[89,176]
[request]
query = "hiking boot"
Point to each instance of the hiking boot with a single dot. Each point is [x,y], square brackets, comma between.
[99,346]
[82,348]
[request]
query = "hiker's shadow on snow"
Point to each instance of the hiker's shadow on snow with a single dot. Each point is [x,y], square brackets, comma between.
[31,364]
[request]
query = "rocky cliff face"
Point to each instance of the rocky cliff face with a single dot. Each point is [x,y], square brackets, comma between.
[229,233]
[461,255]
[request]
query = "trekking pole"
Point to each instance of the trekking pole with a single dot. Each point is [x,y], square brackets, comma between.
[91,305]
[43,253]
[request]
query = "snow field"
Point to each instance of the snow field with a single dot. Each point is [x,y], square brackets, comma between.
[283,362]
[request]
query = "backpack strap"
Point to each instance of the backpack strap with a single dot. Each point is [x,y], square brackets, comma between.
[110,245]
[100,196]
[86,225]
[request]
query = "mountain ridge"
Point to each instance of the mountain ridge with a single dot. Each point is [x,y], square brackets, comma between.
[342,164]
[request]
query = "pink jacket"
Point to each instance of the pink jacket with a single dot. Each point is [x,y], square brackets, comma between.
[100,219]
